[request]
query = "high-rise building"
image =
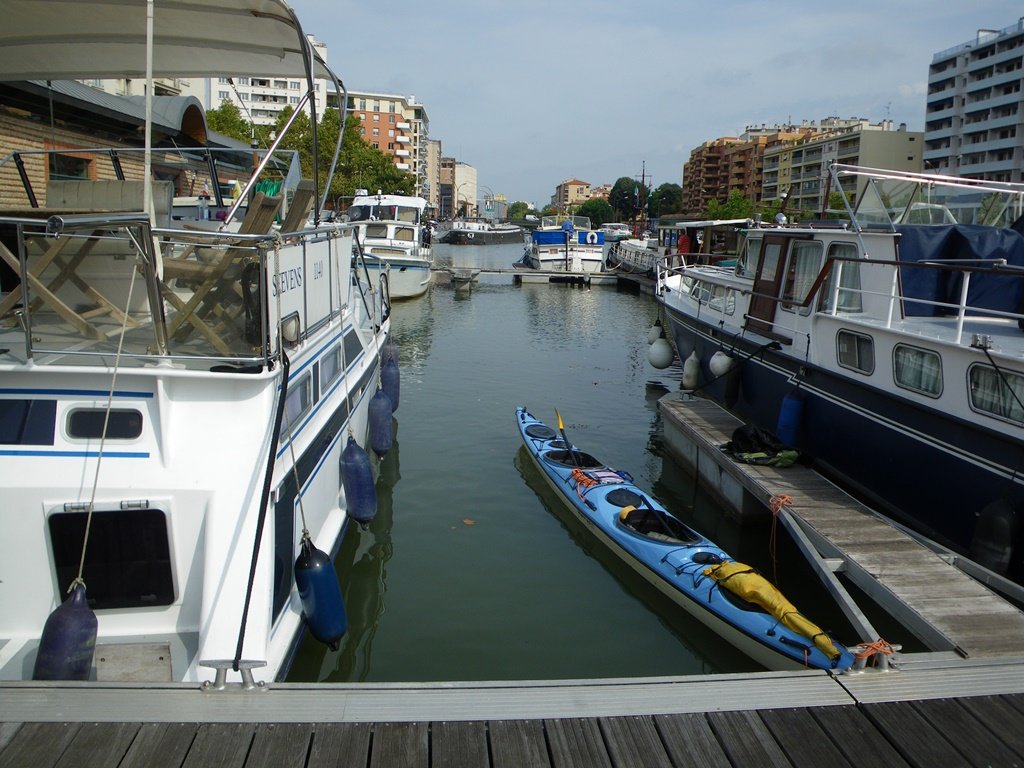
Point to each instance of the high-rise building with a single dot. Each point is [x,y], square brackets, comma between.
[974,118]
[569,193]
[398,127]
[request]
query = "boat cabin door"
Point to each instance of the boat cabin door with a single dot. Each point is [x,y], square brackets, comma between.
[767,285]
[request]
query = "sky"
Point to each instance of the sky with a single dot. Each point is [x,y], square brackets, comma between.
[534,92]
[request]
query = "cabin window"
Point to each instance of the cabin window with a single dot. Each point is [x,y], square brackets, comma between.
[848,274]
[404,233]
[379,231]
[27,422]
[69,167]
[127,561]
[804,265]
[997,392]
[122,424]
[353,347]
[746,266]
[856,351]
[330,367]
[917,369]
[297,402]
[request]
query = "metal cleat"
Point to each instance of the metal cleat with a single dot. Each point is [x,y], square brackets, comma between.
[245,668]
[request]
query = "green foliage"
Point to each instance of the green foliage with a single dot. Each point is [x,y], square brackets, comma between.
[518,209]
[627,198]
[736,207]
[665,199]
[598,210]
[229,120]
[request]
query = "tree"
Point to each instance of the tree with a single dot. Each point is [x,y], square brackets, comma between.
[518,210]
[228,119]
[665,199]
[598,210]
[736,207]
[627,197]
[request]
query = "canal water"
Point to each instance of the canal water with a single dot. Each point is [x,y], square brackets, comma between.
[472,569]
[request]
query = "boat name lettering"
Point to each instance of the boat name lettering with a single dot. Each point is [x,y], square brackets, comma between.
[318,270]
[288,280]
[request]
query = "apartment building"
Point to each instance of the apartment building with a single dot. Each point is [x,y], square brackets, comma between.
[431,186]
[398,126]
[705,175]
[974,118]
[569,193]
[799,170]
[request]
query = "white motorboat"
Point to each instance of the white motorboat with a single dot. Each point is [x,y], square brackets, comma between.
[564,244]
[395,238]
[174,400]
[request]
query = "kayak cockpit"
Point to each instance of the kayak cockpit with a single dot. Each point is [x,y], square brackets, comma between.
[571,458]
[657,525]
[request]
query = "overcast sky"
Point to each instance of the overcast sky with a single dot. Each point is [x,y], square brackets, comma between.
[533,92]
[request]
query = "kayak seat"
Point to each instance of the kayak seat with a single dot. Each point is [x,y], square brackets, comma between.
[572,459]
[654,524]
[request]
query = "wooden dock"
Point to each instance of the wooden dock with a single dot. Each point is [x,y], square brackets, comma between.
[947,609]
[791,720]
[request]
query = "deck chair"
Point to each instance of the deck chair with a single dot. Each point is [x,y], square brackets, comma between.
[212,276]
[299,208]
[56,262]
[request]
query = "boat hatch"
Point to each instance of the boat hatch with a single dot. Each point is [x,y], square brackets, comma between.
[127,560]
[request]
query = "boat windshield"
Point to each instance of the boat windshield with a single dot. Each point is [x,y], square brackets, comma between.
[892,198]
[405,213]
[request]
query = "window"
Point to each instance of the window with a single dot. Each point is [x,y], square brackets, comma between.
[294,85]
[747,264]
[69,167]
[127,562]
[856,351]
[296,403]
[122,424]
[293,99]
[222,95]
[804,265]
[376,118]
[330,367]
[243,96]
[243,81]
[376,131]
[849,280]
[27,422]
[997,392]
[362,104]
[917,369]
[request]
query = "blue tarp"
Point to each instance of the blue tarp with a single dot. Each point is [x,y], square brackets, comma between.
[547,237]
[960,241]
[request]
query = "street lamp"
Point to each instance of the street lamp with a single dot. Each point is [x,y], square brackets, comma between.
[456,198]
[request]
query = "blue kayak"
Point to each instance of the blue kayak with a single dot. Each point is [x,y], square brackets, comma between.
[732,599]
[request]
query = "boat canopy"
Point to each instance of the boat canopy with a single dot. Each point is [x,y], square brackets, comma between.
[82,39]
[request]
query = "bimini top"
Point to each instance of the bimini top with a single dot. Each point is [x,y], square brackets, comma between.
[84,39]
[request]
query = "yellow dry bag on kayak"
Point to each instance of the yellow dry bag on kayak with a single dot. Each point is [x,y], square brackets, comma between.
[746,583]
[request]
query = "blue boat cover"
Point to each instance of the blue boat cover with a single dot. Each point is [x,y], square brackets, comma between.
[960,241]
[583,237]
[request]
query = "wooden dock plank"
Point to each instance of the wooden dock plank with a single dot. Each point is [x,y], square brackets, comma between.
[1000,716]
[280,745]
[747,740]
[914,737]
[803,739]
[459,744]
[38,745]
[690,742]
[98,745]
[160,745]
[518,744]
[634,741]
[222,744]
[980,745]
[400,745]
[340,745]
[576,743]
[943,606]
[856,736]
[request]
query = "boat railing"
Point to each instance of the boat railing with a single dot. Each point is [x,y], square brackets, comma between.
[98,285]
[885,291]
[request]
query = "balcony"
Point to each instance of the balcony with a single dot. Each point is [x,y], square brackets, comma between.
[403,139]
[402,153]
[403,126]
[402,166]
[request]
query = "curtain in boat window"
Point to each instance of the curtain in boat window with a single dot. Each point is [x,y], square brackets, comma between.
[804,265]
[999,393]
[848,274]
[917,369]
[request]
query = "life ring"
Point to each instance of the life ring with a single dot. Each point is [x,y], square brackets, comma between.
[469,235]
[591,238]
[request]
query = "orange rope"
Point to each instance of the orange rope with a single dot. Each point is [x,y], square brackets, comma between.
[583,481]
[776,503]
[871,649]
